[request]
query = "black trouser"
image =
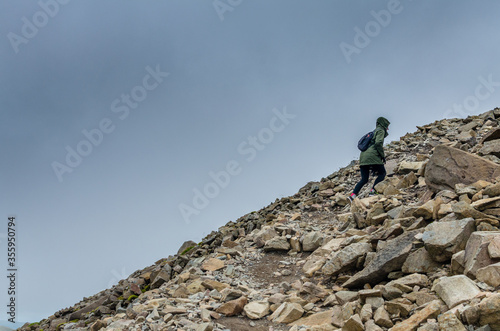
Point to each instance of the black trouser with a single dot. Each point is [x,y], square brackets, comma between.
[378,169]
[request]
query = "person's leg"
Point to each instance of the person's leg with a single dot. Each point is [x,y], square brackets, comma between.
[365,173]
[379,169]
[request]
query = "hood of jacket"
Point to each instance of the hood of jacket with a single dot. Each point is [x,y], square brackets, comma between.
[384,124]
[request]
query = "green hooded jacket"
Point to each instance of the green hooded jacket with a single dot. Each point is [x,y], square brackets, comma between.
[375,152]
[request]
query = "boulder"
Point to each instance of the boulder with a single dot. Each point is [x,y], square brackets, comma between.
[476,252]
[212,264]
[354,323]
[265,234]
[489,275]
[312,241]
[233,307]
[494,248]
[491,135]
[491,148]
[488,312]
[492,190]
[185,246]
[257,309]
[318,319]
[390,258]
[277,244]
[446,289]
[406,167]
[449,166]
[162,277]
[346,258]
[449,322]
[287,313]
[443,239]
[420,261]
[381,318]
[410,324]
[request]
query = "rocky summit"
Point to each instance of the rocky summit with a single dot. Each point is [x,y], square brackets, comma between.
[424,254]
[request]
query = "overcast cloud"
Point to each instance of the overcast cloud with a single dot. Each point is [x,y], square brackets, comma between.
[130,127]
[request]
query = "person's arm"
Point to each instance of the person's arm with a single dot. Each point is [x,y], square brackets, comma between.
[379,143]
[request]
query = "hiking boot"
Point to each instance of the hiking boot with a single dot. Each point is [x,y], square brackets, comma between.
[373,192]
[352,197]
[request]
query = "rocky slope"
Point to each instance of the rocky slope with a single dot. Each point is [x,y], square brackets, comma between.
[423,255]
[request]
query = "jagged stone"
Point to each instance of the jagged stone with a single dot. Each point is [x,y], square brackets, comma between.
[382,318]
[458,263]
[476,252]
[346,296]
[489,274]
[488,312]
[345,258]
[212,264]
[214,285]
[491,148]
[491,135]
[443,239]
[277,244]
[492,190]
[449,166]
[420,261]
[494,248]
[354,323]
[317,319]
[312,241]
[449,322]
[162,276]
[287,313]
[265,234]
[407,167]
[233,307]
[366,313]
[429,311]
[185,246]
[388,259]
[446,288]
[257,309]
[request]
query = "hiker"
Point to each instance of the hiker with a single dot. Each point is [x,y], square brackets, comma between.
[373,158]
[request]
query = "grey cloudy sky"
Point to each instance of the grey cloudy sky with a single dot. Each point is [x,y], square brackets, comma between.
[103,151]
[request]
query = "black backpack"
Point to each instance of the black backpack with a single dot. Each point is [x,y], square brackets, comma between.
[364,142]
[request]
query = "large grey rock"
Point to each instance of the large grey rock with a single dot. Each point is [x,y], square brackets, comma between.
[449,322]
[449,166]
[256,309]
[491,148]
[277,244]
[162,276]
[186,245]
[312,241]
[488,312]
[287,313]
[390,258]
[455,290]
[443,239]
[489,275]
[420,261]
[345,258]
[265,234]
[476,252]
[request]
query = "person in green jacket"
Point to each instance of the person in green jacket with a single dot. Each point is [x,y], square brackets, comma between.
[373,158]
